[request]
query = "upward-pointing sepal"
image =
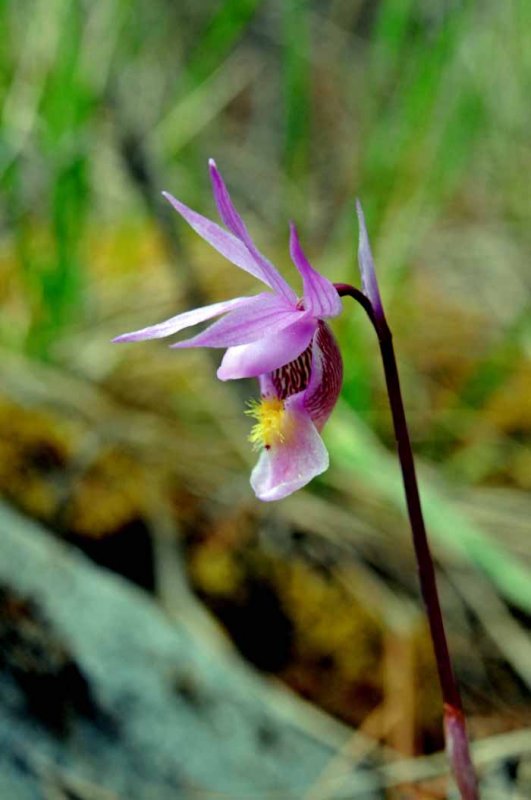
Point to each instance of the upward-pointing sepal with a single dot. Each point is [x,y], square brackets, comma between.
[369,281]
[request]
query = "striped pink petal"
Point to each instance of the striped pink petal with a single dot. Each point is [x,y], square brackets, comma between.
[320,295]
[326,379]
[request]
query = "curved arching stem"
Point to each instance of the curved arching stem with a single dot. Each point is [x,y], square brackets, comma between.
[454,721]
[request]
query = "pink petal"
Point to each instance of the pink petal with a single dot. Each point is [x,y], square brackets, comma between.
[268,353]
[184,320]
[291,464]
[320,295]
[263,314]
[326,379]
[368,274]
[235,223]
[226,208]
[222,241]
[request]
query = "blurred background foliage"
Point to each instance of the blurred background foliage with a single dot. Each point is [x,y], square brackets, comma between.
[421,109]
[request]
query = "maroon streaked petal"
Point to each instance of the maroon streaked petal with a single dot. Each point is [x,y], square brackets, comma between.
[369,282]
[293,377]
[268,353]
[320,295]
[235,223]
[324,387]
[263,315]
[289,465]
[184,320]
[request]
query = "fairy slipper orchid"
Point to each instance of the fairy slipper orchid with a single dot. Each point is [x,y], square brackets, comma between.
[275,336]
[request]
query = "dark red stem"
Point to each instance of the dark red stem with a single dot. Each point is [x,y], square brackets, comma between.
[455,729]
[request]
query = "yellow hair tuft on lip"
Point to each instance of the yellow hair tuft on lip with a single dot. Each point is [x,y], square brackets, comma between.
[270,426]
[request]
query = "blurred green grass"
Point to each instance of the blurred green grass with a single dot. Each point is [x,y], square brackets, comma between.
[422,109]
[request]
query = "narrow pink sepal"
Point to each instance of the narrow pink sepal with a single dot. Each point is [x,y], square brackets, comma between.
[226,208]
[289,465]
[369,281]
[236,225]
[268,353]
[265,313]
[320,294]
[221,240]
[182,321]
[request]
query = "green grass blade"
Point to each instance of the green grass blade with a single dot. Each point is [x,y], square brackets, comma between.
[357,450]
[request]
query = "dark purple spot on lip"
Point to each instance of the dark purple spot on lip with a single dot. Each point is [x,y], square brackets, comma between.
[267,447]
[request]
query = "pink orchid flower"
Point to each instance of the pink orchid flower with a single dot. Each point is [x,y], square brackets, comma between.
[275,336]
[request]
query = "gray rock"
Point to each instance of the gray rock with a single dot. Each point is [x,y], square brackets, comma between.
[143,708]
